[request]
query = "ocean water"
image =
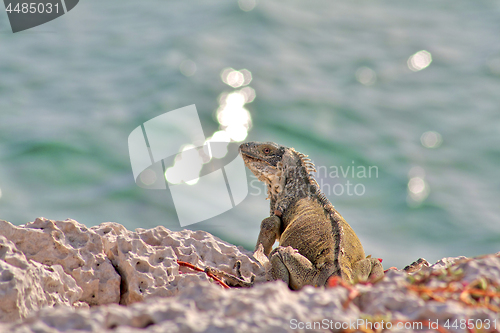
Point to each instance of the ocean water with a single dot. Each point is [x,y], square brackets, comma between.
[407,90]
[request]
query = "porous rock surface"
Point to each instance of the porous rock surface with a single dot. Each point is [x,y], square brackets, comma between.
[110,264]
[393,295]
[78,249]
[27,285]
[162,300]
[147,259]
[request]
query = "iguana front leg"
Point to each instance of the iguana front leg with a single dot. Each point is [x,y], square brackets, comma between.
[269,233]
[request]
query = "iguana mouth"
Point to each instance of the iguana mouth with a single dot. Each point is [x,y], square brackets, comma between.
[264,170]
[249,158]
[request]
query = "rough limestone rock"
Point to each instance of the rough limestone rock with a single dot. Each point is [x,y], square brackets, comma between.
[114,265]
[76,248]
[147,259]
[205,307]
[26,286]
[272,307]
[161,296]
[396,294]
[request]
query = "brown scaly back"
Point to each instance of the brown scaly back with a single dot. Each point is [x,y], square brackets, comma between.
[335,218]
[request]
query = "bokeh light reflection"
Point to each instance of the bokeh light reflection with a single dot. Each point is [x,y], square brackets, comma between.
[431,139]
[219,150]
[236,78]
[418,188]
[366,76]
[247,5]
[186,168]
[234,119]
[187,68]
[420,60]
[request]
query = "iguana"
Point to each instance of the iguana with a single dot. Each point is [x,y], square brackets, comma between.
[315,242]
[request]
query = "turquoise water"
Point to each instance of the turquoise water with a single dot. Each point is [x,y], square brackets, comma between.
[331,79]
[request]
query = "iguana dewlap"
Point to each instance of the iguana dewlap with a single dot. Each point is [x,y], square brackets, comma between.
[315,242]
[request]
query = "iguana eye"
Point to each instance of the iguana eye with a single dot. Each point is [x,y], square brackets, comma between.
[266,150]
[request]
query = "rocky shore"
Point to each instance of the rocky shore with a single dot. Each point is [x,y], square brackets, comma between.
[61,276]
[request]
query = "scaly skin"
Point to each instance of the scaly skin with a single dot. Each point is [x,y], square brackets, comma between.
[315,242]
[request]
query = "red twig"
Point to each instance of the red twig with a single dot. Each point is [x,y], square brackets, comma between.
[196,268]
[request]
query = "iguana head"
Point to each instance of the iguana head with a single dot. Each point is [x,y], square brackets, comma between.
[279,167]
[262,158]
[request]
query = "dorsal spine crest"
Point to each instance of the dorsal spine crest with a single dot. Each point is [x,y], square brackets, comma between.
[310,168]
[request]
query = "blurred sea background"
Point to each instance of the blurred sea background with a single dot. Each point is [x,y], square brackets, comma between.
[411,88]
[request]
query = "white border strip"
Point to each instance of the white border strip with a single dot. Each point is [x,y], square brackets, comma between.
[64,6]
